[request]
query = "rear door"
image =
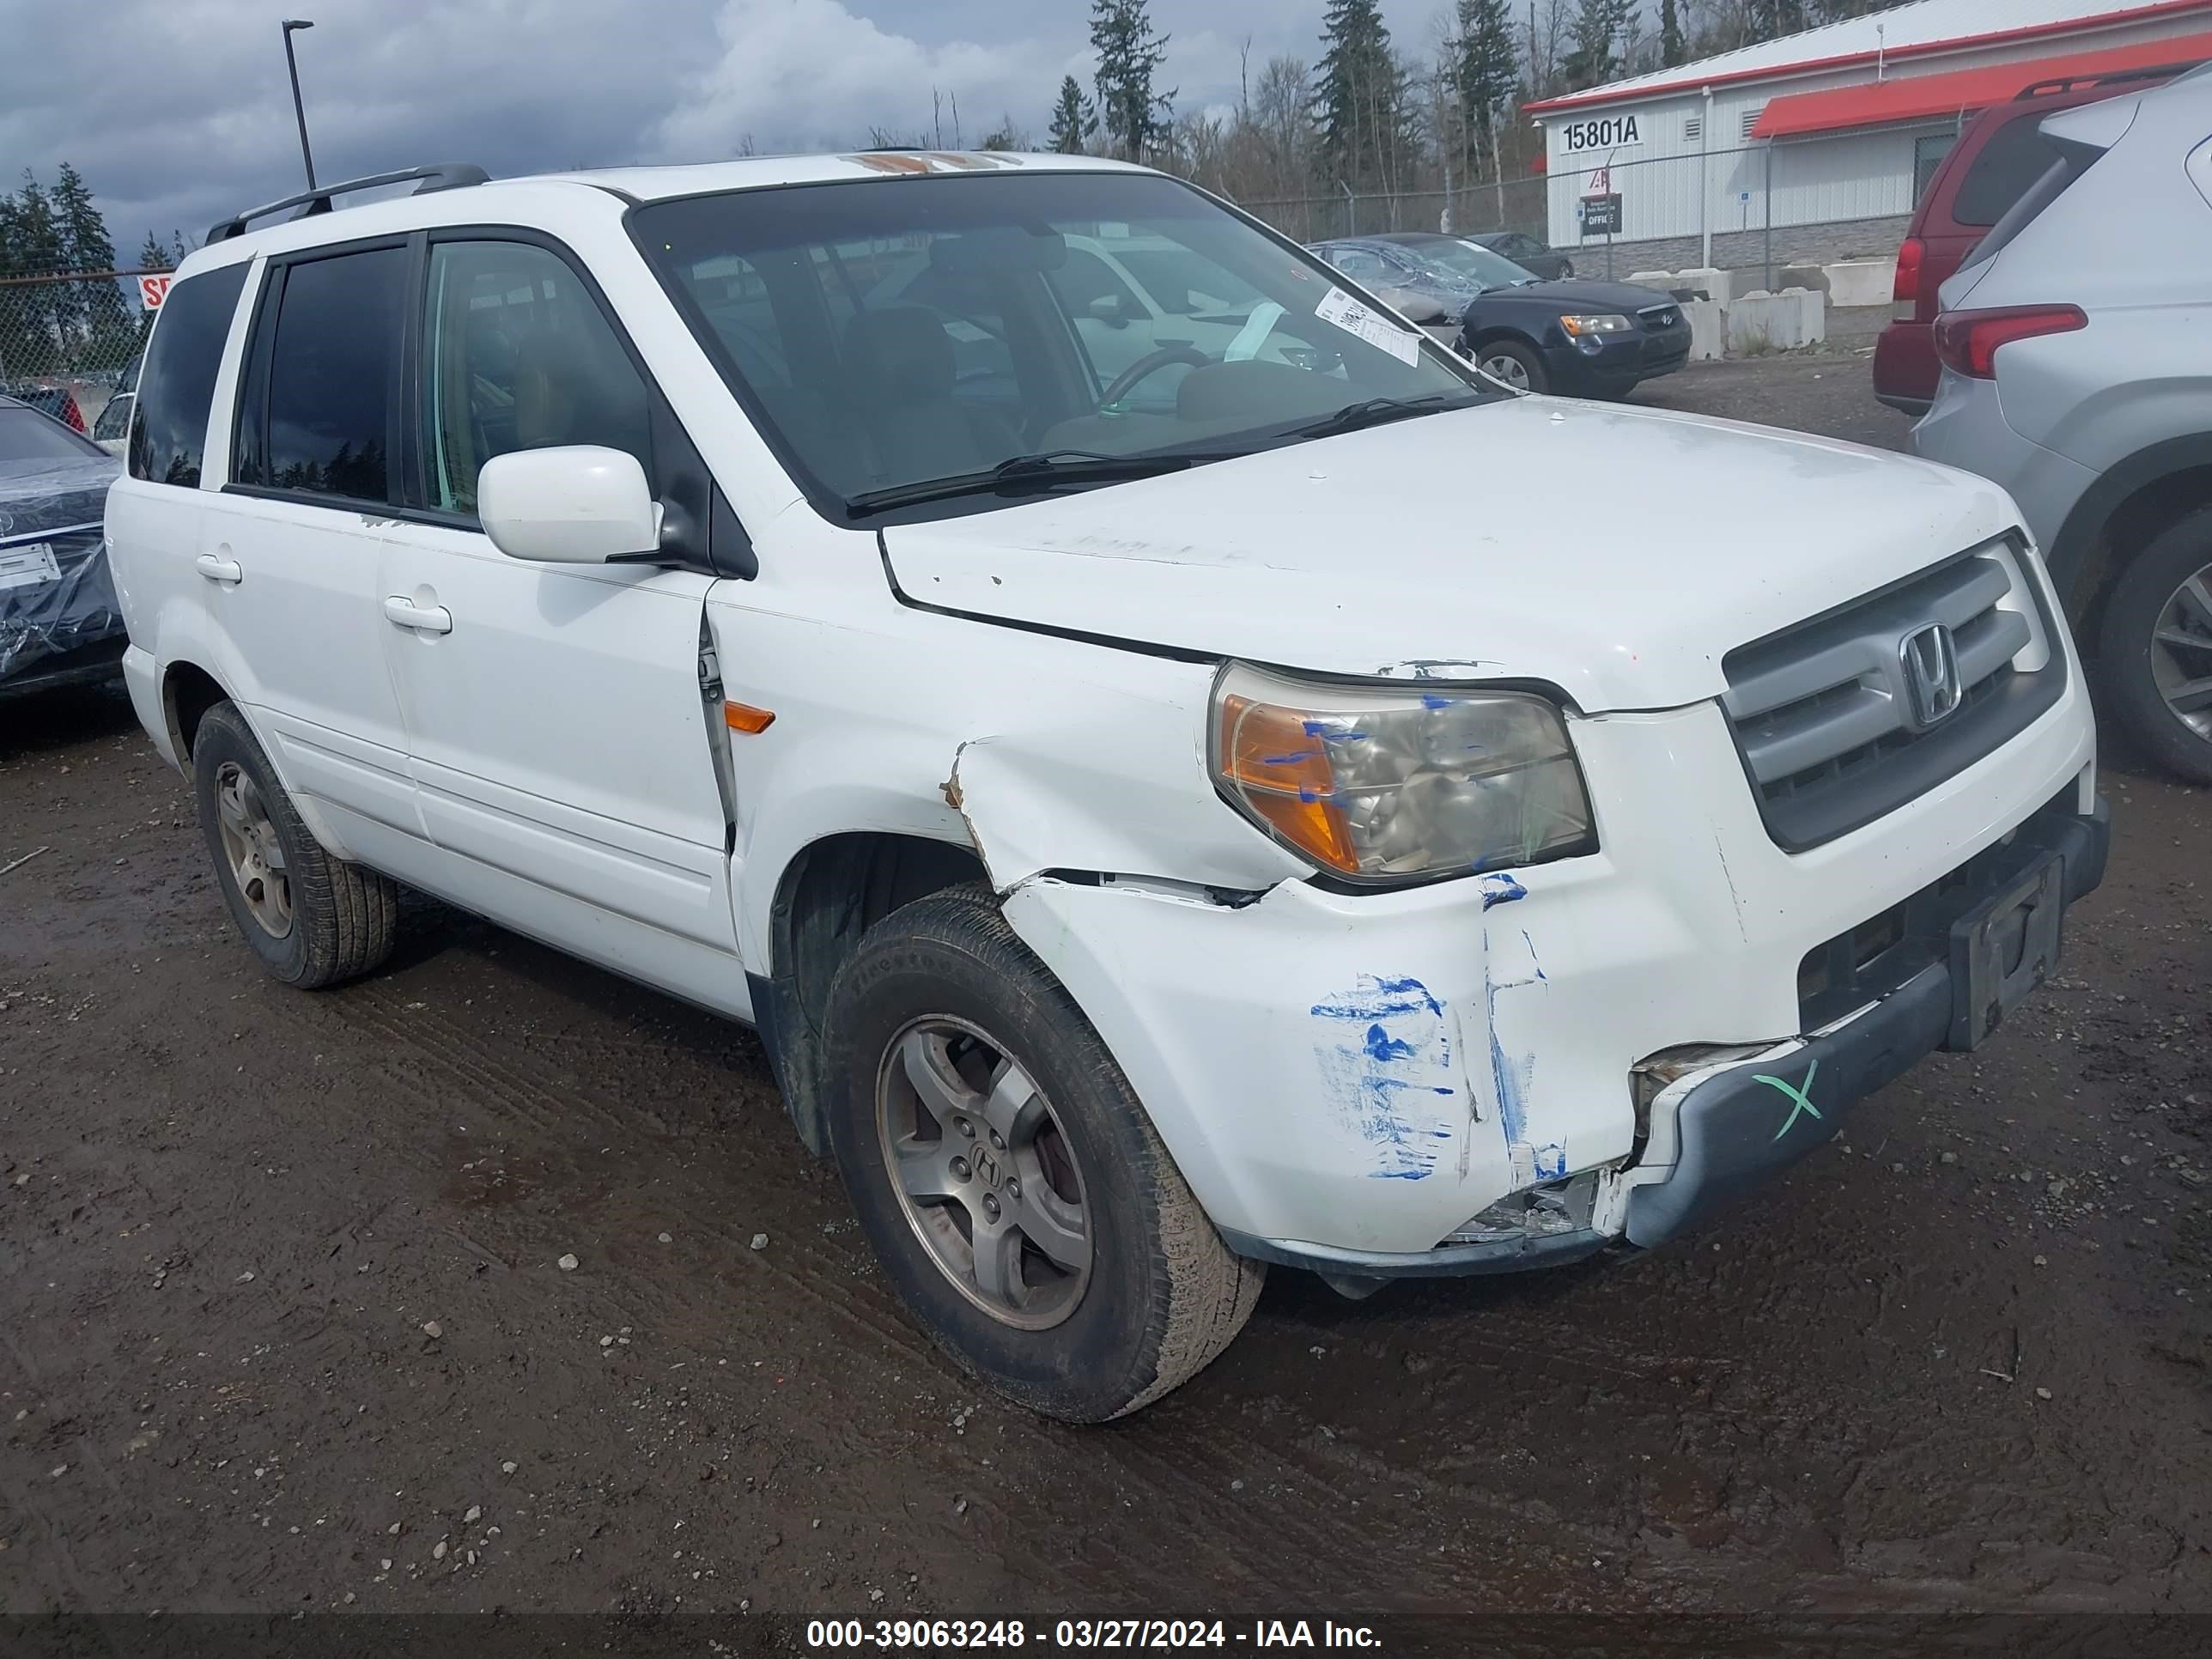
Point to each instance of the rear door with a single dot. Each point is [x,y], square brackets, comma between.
[555,717]
[291,547]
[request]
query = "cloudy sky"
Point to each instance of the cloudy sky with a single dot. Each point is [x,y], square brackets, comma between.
[177,111]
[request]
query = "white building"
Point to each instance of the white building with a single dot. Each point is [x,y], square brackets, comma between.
[1842,123]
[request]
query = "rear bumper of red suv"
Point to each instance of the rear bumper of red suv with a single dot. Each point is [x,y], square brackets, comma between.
[1905,366]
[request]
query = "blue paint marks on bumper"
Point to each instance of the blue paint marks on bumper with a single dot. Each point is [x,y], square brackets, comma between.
[1388,1060]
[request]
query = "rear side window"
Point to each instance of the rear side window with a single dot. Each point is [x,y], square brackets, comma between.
[177,386]
[2016,155]
[323,425]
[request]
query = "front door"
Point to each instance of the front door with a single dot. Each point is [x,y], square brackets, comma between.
[557,734]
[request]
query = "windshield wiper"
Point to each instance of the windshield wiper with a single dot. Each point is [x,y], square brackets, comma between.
[1025,475]
[1376,411]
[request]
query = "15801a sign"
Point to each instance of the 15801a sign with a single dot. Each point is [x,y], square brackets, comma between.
[1602,132]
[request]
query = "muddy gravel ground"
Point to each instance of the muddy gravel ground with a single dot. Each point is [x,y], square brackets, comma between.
[287,1326]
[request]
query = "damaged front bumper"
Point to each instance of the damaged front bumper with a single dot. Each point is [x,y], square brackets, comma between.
[1976,948]
[1726,1121]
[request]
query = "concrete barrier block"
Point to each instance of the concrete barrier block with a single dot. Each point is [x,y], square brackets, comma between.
[1803,276]
[1708,330]
[1717,285]
[1751,325]
[1861,281]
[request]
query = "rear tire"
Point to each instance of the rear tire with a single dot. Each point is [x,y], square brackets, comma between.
[2156,642]
[312,919]
[1132,1291]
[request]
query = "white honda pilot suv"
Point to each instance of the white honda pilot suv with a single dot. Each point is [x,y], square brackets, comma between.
[1271,796]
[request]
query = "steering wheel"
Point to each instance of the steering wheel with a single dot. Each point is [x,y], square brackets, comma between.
[1149,364]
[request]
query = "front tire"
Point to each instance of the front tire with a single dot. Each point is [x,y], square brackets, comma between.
[1007,1175]
[2156,647]
[313,920]
[1519,365]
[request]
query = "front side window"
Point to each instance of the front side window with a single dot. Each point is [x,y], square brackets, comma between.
[176,388]
[332,373]
[886,333]
[517,355]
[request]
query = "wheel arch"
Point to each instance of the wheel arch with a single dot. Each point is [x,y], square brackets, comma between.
[2127,505]
[830,893]
[188,691]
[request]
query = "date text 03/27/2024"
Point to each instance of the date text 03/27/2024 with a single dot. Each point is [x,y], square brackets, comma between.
[945,1635]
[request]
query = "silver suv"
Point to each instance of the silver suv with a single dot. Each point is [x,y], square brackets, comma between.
[2077,352]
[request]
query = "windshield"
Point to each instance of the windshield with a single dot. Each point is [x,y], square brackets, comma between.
[1473,263]
[886,333]
[27,435]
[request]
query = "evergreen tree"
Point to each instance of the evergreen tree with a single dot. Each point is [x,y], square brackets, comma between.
[43,313]
[1074,119]
[1596,32]
[1360,95]
[1130,53]
[1673,49]
[1485,66]
[36,239]
[152,256]
[98,308]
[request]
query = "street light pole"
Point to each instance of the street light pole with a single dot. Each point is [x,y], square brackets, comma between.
[299,110]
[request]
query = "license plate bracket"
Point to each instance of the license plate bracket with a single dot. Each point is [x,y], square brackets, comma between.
[2004,948]
[28,564]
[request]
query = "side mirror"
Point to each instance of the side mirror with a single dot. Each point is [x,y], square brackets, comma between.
[1108,309]
[575,504]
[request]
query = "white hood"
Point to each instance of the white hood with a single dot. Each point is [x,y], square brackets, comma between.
[1616,553]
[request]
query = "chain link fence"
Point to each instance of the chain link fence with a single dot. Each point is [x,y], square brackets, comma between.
[1475,209]
[70,336]
[1753,207]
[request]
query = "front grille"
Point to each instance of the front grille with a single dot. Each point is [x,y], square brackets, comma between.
[1658,318]
[1825,713]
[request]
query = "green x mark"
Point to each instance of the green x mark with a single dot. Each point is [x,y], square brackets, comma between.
[1800,1098]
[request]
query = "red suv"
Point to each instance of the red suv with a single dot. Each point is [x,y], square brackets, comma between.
[1999,154]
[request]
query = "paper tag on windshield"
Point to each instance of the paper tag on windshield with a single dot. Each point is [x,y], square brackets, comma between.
[1370,325]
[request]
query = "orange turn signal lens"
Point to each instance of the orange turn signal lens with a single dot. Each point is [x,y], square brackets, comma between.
[744,717]
[1279,762]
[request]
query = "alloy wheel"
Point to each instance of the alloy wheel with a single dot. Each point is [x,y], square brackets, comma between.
[2181,652]
[987,1177]
[256,855]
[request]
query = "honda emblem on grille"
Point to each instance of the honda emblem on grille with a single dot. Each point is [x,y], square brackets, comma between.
[1931,658]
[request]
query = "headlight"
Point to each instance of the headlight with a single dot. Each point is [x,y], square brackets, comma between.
[1387,784]
[1607,323]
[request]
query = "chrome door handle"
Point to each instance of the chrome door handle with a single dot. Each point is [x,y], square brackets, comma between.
[422,618]
[216,569]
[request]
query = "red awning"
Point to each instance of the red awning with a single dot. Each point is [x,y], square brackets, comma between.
[1913,97]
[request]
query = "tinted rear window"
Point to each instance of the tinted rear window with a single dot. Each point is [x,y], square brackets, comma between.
[2016,155]
[177,386]
[331,374]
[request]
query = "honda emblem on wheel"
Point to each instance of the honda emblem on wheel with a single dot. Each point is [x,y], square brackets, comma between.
[1930,657]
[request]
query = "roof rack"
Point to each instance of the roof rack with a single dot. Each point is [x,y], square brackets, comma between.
[443,175]
[2117,77]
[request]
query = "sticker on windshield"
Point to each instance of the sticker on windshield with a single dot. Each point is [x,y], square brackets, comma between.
[1353,318]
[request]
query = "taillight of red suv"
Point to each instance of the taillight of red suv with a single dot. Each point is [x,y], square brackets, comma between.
[1968,341]
[1907,287]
